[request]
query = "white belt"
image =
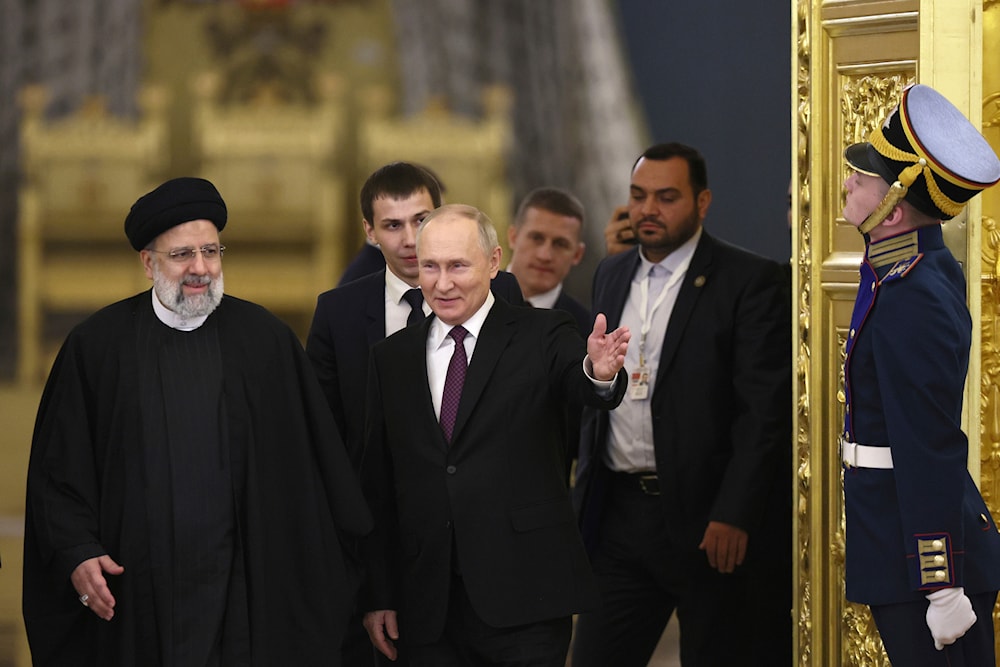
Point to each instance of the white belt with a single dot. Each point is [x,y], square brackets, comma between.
[865,456]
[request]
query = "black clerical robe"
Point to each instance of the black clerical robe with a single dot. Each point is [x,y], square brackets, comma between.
[101,481]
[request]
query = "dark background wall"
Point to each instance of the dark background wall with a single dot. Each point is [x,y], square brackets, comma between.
[716,75]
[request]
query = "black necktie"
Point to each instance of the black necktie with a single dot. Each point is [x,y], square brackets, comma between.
[415,298]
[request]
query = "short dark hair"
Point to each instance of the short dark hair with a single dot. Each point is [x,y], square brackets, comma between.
[697,169]
[553,200]
[398,180]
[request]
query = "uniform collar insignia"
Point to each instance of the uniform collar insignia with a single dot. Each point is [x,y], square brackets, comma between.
[900,269]
[909,244]
[891,250]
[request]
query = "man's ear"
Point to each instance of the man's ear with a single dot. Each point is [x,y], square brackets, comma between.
[511,235]
[894,218]
[146,257]
[369,231]
[495,261]
[704,201]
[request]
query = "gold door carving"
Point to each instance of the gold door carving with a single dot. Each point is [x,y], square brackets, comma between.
[989,445]
[852,58]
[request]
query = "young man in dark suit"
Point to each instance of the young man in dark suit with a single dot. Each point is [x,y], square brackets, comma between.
[351,318]
[684,490]
[476,544]
[369,259]
[545,245]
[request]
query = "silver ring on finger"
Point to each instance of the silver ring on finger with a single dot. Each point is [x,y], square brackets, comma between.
[84,600]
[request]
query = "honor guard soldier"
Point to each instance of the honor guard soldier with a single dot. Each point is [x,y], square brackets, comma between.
[922,550]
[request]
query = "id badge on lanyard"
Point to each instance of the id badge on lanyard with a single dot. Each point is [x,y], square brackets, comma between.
[638,385]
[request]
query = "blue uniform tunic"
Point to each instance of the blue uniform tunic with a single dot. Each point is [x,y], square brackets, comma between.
[921,525]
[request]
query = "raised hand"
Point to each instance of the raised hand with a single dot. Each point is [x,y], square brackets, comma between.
[607,350]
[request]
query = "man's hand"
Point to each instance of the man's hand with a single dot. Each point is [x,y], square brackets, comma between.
[607,350]
[381,626]
[618,234]
[949,615]
[725,545]
[88,580]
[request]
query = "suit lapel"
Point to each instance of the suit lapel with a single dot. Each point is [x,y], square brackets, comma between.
[619,284]
[560,303]
[498,328]
[412,363]
[698,274]
[375,308]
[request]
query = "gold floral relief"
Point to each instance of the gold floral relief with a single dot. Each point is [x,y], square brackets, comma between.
[867,102]
[989,445]
[989,357]
[803,268]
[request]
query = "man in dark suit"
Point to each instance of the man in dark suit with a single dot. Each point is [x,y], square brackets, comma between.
[476,545]
[369,259]
[545,245]
[684,489]
[351,318]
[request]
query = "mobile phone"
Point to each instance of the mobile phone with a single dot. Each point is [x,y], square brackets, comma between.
[625,235]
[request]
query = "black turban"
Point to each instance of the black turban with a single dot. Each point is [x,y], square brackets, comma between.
[177,201]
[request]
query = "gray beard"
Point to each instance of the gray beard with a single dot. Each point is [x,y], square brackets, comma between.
[171,295]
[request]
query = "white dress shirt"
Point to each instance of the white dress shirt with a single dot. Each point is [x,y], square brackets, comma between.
[630,434]
[546,299]
[396,309]
[440,347]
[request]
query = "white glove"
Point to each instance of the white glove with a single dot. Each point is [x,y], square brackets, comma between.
[949,615]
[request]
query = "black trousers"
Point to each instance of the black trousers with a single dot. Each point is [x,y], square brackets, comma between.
[644,579]
[468,641]
[908,641]
[357,649]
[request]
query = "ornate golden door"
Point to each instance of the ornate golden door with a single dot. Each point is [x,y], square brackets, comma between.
[852,58]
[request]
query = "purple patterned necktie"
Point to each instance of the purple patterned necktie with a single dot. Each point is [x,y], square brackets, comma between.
[453,382]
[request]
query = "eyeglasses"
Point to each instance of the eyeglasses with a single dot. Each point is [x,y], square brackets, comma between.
[209,253]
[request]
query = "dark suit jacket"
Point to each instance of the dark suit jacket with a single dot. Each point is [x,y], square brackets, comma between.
[496,497]
[369,260]
[574,410]
[721,401]
[347,322]
[577,310]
